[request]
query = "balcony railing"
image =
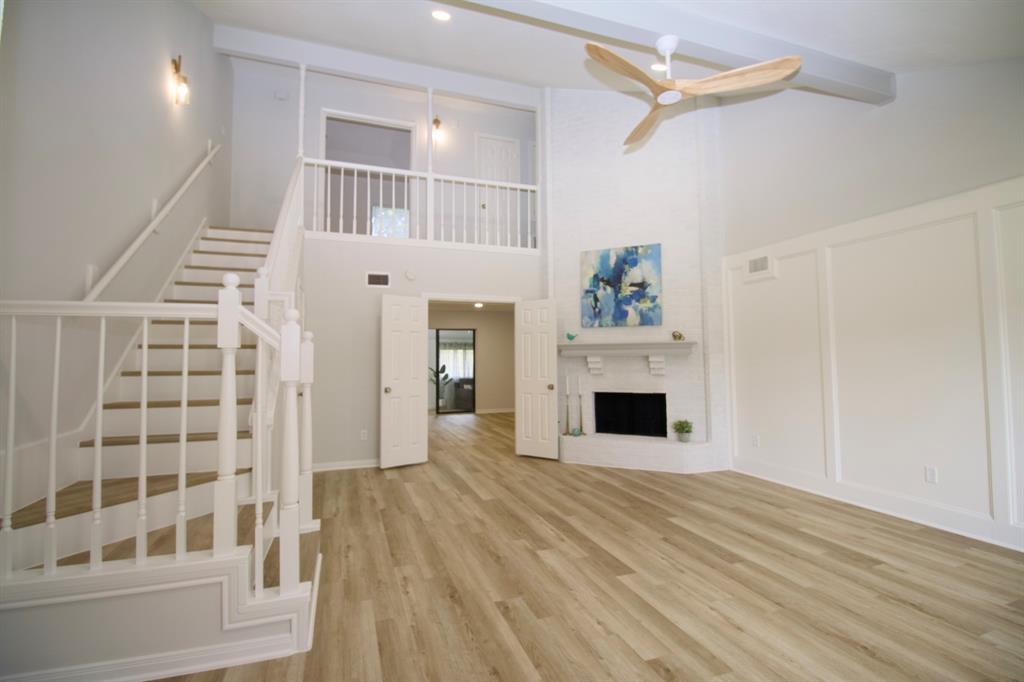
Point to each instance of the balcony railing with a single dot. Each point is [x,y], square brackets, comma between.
[360,201]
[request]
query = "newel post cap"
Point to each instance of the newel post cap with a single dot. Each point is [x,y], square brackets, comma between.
[231,280]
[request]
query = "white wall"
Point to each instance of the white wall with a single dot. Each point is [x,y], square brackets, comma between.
[345,316]
[883,348]
[266,109]
[796,162]
[603,195]
[494,359]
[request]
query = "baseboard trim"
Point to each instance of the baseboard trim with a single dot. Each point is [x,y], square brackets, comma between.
[496,410]
[342,466]
[158,666]
[968,525]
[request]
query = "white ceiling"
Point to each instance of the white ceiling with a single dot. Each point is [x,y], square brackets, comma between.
[896,35]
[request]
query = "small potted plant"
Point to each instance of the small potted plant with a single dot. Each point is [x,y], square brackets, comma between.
[683,429]
[440,379]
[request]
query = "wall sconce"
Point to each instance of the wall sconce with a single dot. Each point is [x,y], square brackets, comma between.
[437,134]
[181,93]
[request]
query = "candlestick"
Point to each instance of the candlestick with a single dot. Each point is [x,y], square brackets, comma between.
[579,388]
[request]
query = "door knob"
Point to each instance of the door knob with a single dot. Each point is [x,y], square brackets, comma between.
[387,389]
[551,387]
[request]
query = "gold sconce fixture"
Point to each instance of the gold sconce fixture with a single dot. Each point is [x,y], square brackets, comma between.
[181,92]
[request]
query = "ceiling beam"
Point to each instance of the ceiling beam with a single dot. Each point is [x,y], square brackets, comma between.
[641,23]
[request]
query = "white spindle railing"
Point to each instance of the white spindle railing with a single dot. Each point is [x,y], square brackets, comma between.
[358,200]
[306,461]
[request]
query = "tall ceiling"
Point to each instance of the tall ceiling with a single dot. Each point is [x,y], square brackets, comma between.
[895,35]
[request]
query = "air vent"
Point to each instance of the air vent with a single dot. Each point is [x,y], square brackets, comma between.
[762,267]
[756,265]
[378,279]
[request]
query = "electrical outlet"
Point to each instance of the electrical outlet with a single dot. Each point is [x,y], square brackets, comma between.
[756,441]
[363,435]
[931,475]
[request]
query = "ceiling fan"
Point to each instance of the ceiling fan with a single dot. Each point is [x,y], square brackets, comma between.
[668,91]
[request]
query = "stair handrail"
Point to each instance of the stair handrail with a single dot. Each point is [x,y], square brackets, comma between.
[119,264]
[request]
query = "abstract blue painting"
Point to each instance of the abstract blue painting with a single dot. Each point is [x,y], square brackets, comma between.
[621,286]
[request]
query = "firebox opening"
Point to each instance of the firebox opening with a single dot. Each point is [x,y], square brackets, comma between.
[631,414]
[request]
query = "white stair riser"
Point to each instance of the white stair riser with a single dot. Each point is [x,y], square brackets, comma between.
[125,422]
[162,458]
[198,359]
[169,388]
[238,234]
[222,261]
[197,333]
[233,247]
[205,293]
[214,276]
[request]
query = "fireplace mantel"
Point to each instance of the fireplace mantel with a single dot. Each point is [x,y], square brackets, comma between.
[654,351]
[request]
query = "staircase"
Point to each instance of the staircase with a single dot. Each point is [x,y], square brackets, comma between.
[181,537]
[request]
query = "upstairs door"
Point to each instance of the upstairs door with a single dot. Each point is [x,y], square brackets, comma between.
[403,381]
[536,398]
[497,159]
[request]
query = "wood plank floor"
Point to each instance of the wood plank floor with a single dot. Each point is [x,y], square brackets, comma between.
[484,566]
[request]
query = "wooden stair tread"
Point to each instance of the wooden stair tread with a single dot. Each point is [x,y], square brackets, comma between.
[193,346]
[227,253]
[177,372]
[219,268]
[157,438]
[309,547]
[160,541]
[192,283]
[77,498]
[237,241]
[156,404]
[242,229]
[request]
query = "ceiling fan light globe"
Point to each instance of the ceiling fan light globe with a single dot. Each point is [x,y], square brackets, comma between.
[666,45]
[669,97]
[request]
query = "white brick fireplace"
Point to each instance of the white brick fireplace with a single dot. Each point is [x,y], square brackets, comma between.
[672,368]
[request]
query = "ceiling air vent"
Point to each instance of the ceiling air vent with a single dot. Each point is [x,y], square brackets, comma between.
[378,279]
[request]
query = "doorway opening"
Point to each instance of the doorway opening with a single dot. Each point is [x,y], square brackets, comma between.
[453,370]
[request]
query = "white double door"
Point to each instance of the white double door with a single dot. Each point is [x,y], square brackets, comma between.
[405,388]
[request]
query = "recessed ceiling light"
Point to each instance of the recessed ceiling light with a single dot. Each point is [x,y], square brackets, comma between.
[658,66]
[478,305]
[441,15]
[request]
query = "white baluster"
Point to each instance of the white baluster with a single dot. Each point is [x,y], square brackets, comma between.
[316,198]
[141,525]
[6,534]
[181,521]
[96,532]
[341,200]
[50,541]
[306,462]
[257,468]
[369,201]
[330,225]
[229,301]
[288,539]
[355,198]
[529,219]
[476,211]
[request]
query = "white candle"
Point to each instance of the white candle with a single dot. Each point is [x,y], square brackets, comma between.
[579,385]
[566,385]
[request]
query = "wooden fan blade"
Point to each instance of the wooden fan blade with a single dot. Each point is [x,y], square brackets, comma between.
[740,79]
[645,125]
[605,57]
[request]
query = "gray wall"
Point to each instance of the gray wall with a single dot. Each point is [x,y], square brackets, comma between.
[796,162]
[89,135]
[494,358]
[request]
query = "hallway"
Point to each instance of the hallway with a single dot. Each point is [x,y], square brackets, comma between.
[481,565]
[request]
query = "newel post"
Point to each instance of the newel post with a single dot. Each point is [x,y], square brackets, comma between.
[288,540]
[229,302]
[306,461]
